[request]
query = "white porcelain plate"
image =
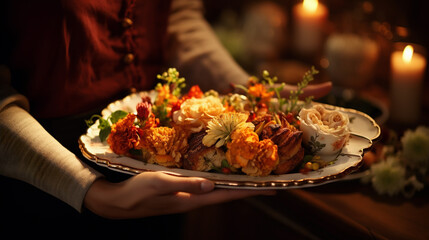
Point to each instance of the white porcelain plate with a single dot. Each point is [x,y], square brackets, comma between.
[364,130]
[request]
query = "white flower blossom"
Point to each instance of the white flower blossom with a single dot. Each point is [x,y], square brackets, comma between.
[388,177]
[221,127]
[195,113]
[415,146]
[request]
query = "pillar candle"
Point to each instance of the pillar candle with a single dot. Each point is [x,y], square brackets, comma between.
[310,17]
[407,71]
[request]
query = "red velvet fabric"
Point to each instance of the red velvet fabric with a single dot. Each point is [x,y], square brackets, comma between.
[69,55]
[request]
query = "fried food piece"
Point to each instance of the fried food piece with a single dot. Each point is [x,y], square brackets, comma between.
[289,164]
[262,119]
[200,157]
[288,139]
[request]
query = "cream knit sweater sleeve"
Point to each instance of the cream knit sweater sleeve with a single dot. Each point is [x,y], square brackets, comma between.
[30,154]
[195,50]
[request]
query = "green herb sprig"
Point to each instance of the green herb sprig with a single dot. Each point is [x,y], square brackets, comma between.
[161,113]
[175,82]
[284,104]
[105,125]
[271,82]
[292,103]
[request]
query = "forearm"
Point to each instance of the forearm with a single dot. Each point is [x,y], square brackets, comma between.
[194,48]
[30,154]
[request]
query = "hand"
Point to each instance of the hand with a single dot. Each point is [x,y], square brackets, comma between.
[316,90]
[155,193]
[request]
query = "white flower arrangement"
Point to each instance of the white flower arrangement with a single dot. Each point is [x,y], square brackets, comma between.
[403,165]
[415,148]
[220,128]
[388,176]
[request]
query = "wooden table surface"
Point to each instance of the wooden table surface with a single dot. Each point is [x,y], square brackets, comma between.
[340,210]
[361,212]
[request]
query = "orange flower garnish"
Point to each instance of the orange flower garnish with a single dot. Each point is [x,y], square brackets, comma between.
[151,122]
[164,93]
[166,145]
[260,92]
[194,92]
[176,106]
[228,107]
[124,136]
[254,157]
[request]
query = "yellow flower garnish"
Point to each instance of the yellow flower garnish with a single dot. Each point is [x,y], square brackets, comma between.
[221,127]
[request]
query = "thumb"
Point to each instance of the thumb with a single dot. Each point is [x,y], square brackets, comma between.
[172,184]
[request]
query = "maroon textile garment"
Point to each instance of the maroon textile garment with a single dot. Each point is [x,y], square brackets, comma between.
[73,56]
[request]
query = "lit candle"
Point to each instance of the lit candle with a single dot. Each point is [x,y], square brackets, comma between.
[310,17]
[407,70]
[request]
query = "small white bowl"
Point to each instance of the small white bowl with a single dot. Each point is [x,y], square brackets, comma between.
[320,138]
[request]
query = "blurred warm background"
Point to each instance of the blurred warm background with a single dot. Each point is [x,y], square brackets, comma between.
[350,42]
[375,54]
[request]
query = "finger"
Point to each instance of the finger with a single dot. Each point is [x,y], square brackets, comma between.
[315,90]
[186,201]
[224,195]
[167,184]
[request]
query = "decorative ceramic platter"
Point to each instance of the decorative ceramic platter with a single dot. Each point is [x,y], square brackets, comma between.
[364,130]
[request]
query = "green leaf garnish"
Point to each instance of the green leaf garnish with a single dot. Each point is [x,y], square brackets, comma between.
[105,124]
[104,133]
[117,115]
[225,164]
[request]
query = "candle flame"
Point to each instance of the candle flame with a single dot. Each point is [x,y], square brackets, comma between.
[407,54]
[310,5]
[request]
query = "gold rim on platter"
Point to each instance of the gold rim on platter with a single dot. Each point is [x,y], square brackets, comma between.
[364,131]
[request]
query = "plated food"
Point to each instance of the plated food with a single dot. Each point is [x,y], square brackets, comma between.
[255,135]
